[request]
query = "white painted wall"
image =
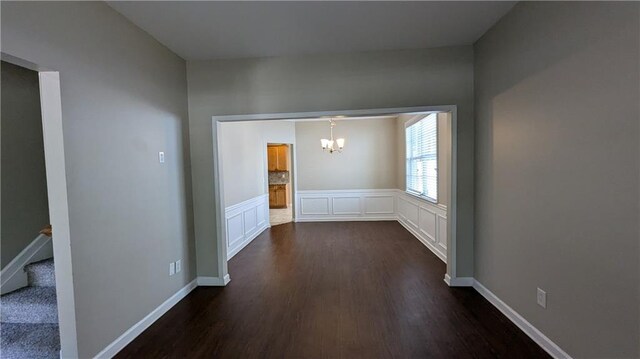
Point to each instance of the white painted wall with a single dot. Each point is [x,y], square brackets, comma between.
[24,186]
[442,76]
[368,161]
[243,148]
[557,89]
[123,100]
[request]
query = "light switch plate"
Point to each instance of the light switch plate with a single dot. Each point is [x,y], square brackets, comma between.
[172,268]
[542,298]
[161,157]
[178,265]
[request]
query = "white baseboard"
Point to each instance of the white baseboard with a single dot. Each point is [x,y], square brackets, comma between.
[213,281]
[345,219]
[13,276]
[542,340]
[112,349]
[459,281]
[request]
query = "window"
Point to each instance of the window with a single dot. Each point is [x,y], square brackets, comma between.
[422,157]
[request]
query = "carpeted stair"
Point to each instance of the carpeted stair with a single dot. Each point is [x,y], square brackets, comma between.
[29,316]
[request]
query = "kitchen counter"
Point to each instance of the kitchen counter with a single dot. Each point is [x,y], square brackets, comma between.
[278,178]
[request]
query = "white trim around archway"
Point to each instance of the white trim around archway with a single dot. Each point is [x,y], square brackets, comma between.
[450,276]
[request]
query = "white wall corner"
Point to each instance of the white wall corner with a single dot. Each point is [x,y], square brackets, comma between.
[213,281]
[127,337]
[536,335]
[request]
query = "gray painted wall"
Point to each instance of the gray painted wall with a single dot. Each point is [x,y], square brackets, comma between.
[123,100]
[557,169]
[368,161]
[24,186]
[442,76]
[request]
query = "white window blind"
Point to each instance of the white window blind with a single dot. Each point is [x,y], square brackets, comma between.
[422,157]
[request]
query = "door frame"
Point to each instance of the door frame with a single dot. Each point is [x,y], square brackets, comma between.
[56,174]
[293,179]
[452,214]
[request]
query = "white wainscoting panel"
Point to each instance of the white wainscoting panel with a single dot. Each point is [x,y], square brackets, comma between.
[379,204]
[425,220]
[310,206]
[346,205]
[245,221]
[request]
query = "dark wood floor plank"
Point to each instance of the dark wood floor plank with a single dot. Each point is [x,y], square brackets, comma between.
[334,290]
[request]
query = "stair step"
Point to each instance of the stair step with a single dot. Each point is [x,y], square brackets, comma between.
[29,305]
[41,274]
[22,340]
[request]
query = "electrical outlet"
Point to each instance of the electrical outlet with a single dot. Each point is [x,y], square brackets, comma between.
[178,265]
[172,268]
[542,298]
[161,157]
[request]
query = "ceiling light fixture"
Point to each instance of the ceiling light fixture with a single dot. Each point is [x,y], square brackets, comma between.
[328,145]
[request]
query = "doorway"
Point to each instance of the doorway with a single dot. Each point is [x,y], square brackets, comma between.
[449,228]
[64,341]
[279,169]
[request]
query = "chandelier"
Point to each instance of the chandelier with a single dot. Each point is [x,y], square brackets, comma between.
[328,145]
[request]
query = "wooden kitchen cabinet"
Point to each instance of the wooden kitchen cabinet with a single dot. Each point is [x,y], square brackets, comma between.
[278,196]
[277,157]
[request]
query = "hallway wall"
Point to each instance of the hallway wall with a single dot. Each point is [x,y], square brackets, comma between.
[557,88]
[25,210]
[124,99]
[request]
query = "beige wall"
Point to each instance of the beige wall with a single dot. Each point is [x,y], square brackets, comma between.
[124,99]
[441,76]
[243,149]
[557,89]
[368,161]
[24,186]
[444,154]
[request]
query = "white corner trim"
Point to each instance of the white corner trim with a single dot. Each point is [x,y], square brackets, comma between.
[213,281]
[112,349]
[536,335]
[459,281]
[12,276]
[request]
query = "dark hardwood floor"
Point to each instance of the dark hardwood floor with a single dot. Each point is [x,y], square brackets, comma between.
[334,290]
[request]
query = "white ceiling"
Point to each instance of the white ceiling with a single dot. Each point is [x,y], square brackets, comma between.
[198,30]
